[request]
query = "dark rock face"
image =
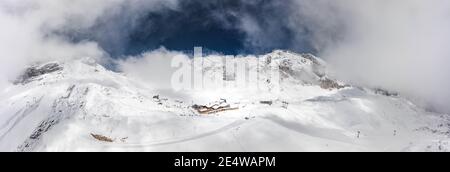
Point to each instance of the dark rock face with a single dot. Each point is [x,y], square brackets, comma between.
[48,68]
[327,83]
[286,67]
[385,92]
[33,72]
[311,57]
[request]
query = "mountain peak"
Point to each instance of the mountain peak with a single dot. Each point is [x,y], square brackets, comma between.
[79,105]
[33,72]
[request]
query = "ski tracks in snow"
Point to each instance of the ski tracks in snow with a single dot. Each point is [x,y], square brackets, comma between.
[182,139]
[18,117]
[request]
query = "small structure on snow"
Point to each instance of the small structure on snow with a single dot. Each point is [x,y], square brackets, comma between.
[213,108]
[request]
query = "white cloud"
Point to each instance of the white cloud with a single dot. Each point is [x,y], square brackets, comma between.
[399,45]
[152,68]
[27,26]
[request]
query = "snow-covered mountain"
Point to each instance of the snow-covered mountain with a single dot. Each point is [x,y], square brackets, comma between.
[79,105]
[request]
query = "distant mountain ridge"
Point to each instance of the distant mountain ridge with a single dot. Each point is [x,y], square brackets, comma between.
[79,105]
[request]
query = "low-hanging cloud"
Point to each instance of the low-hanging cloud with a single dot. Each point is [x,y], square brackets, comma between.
[397,45]
[153,68]
[29,29]
[25,38]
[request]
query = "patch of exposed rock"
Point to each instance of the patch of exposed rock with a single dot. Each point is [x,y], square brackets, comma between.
[35,71]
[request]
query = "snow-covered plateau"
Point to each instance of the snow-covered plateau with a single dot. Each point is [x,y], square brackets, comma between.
[78,105]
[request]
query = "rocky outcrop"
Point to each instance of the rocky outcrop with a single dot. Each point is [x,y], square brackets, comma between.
[327,83]
[385,92]
[35,71]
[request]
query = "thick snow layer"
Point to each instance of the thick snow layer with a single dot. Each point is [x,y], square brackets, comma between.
[62,110]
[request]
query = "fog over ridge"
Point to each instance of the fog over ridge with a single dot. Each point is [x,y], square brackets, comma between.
[397,45]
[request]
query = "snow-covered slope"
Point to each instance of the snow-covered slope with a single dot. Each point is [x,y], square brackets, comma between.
[81,106]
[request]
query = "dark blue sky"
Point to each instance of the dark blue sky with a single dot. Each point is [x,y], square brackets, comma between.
[184,29]
[212,24]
